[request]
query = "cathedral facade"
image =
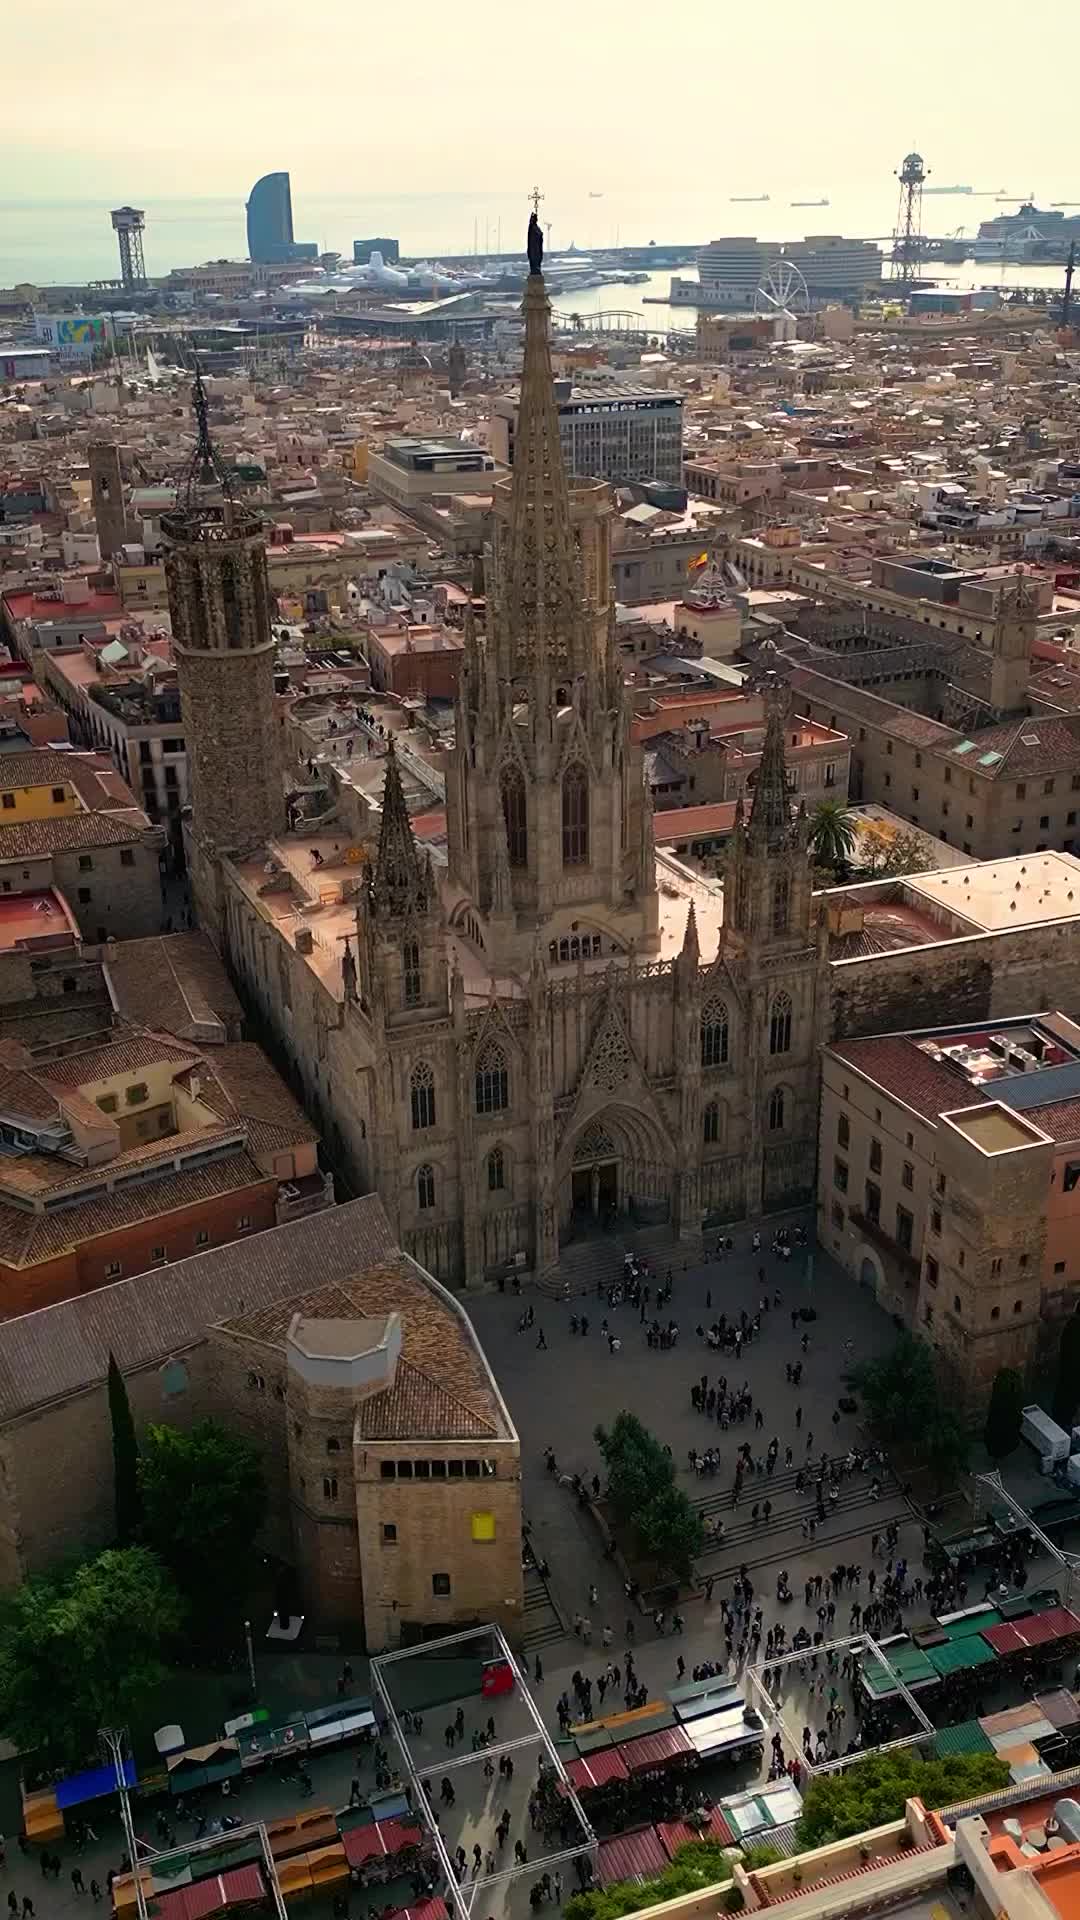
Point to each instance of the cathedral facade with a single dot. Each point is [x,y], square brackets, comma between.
[551,1031]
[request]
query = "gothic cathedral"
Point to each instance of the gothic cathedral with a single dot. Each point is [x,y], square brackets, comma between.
[554,1030]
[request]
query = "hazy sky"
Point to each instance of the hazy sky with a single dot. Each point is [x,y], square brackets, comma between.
[118,99]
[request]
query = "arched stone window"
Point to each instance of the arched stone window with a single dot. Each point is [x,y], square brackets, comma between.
[422,1091]
[781,903]
[778,1110]
[410,974]
[496,1170]
[711,1123]
[714,1033]
[780,1024]
[492,1080]
[425,1187]
[515,814]
[575,816]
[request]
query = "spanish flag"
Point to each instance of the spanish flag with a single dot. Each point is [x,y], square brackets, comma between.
[700,560]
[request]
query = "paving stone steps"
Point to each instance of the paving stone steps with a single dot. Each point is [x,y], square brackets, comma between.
[583,1263]
[763,1486]
[541,1624]
[785,1544]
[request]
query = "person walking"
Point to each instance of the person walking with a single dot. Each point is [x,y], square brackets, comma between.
[77,1880]
[95,1892]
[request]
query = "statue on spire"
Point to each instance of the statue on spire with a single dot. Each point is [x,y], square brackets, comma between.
[535,244]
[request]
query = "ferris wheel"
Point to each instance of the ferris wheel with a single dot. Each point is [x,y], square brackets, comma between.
[781,291]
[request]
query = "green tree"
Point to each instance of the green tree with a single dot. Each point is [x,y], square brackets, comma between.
[1067,1388]
[125,1457]
[697,1864]
[873,1791]
[671,1532]
[904,1403]
[637,1467]
[1002,1432]
[885,852]
[642,1494]
[832,835]
[204,1497]
[82,1649]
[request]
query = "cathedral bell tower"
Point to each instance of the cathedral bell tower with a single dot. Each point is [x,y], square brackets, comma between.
[219,603]
[549,827]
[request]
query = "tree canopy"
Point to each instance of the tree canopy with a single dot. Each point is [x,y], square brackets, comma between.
[697,1864]
[203,1497]
[643,1496]
[125,1457]
[832,835]
[904,1402]
[82,1649]
[1067,1385]
[873,1791]
[1002,1432]
[883,851]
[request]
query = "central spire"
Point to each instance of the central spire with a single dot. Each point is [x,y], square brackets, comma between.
[770,812]
[540,594]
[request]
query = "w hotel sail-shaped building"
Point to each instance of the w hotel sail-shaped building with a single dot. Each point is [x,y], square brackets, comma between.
[270,223]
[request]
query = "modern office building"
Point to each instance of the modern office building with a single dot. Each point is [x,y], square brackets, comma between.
[608,431]
[270,223]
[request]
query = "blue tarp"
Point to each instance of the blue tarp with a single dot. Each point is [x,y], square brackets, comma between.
[93,1784]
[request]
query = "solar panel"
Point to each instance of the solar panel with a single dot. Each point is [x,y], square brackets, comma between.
[1022,1090]
[990,759]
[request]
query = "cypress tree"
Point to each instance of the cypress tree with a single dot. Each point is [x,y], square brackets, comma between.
[125,1457]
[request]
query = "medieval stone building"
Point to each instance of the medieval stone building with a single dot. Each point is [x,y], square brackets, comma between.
[557,1025]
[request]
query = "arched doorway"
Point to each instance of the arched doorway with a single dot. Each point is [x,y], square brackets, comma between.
[615,1166]
[870,1274]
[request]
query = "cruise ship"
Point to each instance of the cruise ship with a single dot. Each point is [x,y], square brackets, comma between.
[731,270]
[1049,223]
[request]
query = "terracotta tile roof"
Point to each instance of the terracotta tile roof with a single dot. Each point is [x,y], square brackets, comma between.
[248,1085]
[1037,745]
[930,1087]
[39,769]
[128,1053]
[417,1407]
[176,984]
[70,833]
[899,722]
[23,1092]
[65,1349]
[1061,1120]
[39,1173]
[27,1238]
[435,1340]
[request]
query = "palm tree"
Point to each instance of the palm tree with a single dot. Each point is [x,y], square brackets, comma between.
[832,835]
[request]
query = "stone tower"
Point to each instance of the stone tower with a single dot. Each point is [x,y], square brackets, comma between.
[456,367]
[548,820]
[1010,645]
[219,601]
[107,496]
[770,945]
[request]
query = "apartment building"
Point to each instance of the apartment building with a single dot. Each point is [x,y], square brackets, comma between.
[68,821]
[949,1183]
[608,430]
[132,713]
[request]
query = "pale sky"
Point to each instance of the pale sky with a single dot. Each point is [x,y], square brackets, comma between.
[119,99]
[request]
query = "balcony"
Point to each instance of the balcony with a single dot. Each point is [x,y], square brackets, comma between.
[296,1198]
[906,1263]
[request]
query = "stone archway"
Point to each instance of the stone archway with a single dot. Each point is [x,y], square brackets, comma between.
[615,1163]
[869,1272]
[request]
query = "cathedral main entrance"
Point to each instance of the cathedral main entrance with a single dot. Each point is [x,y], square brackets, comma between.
[594,1191]
[614,1170]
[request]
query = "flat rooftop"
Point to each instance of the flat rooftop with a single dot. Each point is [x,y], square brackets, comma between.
[35,919]
[1021,891]
[993,1129]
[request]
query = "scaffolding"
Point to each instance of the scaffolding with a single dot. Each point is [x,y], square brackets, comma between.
[988,1491]
[462,1895]
[772,1710]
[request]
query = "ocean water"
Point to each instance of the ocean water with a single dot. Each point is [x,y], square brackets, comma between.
[44,241]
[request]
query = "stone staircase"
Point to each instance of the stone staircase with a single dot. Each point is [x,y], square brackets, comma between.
[781,1542]
[598,1257]
[541,1624]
